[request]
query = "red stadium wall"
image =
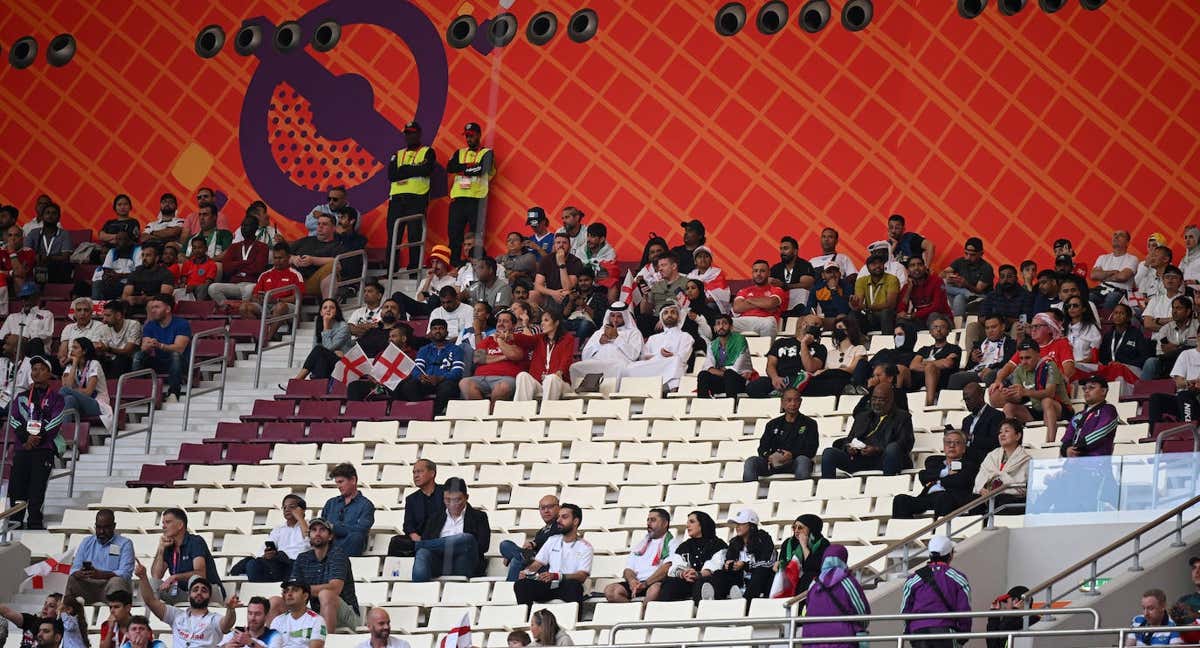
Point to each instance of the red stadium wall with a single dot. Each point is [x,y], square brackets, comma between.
[1018,129]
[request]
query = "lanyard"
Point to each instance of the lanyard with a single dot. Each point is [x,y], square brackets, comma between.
[1116,343]
[878,424]
[787,274]
[46,245]
[872,288]
[247,248]
[549,352]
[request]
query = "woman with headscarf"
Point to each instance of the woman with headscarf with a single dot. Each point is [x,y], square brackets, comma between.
[699,315]
[835,592]
[746,564]
[684,565]
[800,557]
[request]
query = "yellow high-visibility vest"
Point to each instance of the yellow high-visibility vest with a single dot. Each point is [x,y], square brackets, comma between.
[418,185]
[466,186]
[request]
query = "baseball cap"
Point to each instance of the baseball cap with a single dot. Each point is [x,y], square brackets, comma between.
[1017,592]
[1172,270]
[975,242]
[878,246]
[744,516]
[702,249]
[694,225]
[472,127]
[412,127]
[941,545]
[37,359]
[322,521]
[29,289]
[1061,242]
[1156,238]
[295,583]
[201,580]
[878,255]
[832,266]
[534,214]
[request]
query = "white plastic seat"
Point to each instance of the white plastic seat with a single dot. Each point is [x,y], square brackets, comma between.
[668,635]
[241,545]
[540,452]
[398,474]
[567,614]
[608,408]
[728,609]
[475,431]
[526,497]
[552,473]
[518,431]
[121,498]
[403,619]
[688,452]
[638,388]
[207,475]
[239,521]
[290,453]
[608,566]
[269,499]
[485,497]
[444,454]
[405,593]
[758,345]
[783,490]
[696,473]
[951,400]
[162,498]
[887,484]
[729,633]
[756,408]
[466,409]
[687,494]
[315,496]
[506,617]
[387,521]
[560,409]
[492,475]
[929,421]
[712,430]
[443,619]
[514,410]
[303,475]
[591,451]
[629,496]
[583,496]
[465,593]
[662,408]
[76,520]
[711,408]
[669,611]
[493,453]
[670,430]
[374,432]
[565,430]
[686,389]
[395,453]
[427,432]
[735,492]
[839,488]
[624,430]
[371,594]
[737,450]
[502,593]
[605,615]
[866,531]
[632,452]
[336,453]
[256,475]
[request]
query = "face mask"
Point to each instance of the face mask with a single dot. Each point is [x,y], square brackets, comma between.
[839,335]
[899,341]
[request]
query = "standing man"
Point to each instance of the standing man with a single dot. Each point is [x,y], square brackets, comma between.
[937,587]
[788,443]
[103,562]
[420,505]
[567,560]
[34,418]
[165,340]
[410,170]
[693,237]
[473,167]
[353,511]
[379,625]
[194,627]
[326,574]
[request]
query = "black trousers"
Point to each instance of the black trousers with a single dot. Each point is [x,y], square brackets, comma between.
[1183,405]
[401,205]
[731,383]
[830,383]
[759,585]
[27,482]
[411,389]
[320,362]
[415,309]
[534,591]
[934,643]
[463,215]
[676,589]
[907,507]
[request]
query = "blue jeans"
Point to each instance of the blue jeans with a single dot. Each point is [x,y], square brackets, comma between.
[515,555]
[456,555]
[80,402]
[958,299]
[582,328]
[173,363]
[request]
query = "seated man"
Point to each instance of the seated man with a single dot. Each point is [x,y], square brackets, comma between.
[609,350]
[455,540]
[665,354]
[165,341]
[923,297]
[353,511]
[561,566]
[425,501]
[168,226]
[439,370]
[1091,433]
[149,279]
[987,355]
[876,293]
[1183,405]
[968,277]
[313,255]
[298,625]
[256,633]
[215,236]
[498,360]
[981,424]
[758,307]
[1037,391]
[121,339]
[103,563]
[53,247]
[366,317]
[516,556]
[32,325]
[120,612]
[670,285]
[936,361]
[84,325]
[199,271]
[284,544]
[788,443]
[108,282]
[791,359]
[181,559]
[1154,614]
[326,571]
[642,576]
[556,274]
[948,481]
[879,439]
[727,365]
[453,312]
[587,303]
[244,261]
[487,287]
[438,277]
[280,274]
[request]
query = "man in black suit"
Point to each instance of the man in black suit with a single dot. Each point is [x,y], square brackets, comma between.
[948,479]
[454,541]
[981,425]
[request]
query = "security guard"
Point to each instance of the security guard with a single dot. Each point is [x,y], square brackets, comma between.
[474,167]
[409,170]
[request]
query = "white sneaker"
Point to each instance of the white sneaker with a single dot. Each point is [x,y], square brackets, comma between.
[171,398]
[707,593]
[735,592]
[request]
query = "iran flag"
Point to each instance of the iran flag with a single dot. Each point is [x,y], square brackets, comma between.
[787,578]
[459,636]
[353,365]
[392,366]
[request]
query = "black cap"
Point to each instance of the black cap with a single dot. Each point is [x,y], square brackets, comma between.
[1061,242]
[975,242]
[412,127]
[693,225]
[472,127]
[534,214]
[1172,270]
[878,255]
[1029,345]
[1018,591]
[1095,380]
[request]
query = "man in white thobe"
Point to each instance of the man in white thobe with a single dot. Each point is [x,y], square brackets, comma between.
[665,354]
[612,347]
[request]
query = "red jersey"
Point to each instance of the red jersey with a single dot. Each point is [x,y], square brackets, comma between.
[195,274]
[273,278]
[26,256]
[506,367]
[764,291]
[1059,351]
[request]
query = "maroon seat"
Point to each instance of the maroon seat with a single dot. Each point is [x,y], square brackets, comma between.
[229,432]
[83,434]
[318,410]
[205,323]
[300,389]
[57,291]
[198,453]
[270,410]
[213,348]
[280,432]
[337,391]
[80,236]
[194,309]
[155,476]
[244,330]
[136,389]
[1143,388]
[247,453]
[376,257]
[365,411]
[419,411]
[85,271]
[59,309]
[329,432]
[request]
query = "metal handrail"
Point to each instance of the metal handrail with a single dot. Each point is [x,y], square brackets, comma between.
[946,520]
[5,529]
[193,366]
[151,400]
[361,279]
[1178,431]
[71,414]
[793,621]
[12,382]
[1134,536]
[268,319]
[396,247]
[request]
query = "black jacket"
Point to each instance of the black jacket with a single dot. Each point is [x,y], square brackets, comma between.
[1133,348]
[986,436]
[799,438]
[896,428]
[961,482]
[475,522]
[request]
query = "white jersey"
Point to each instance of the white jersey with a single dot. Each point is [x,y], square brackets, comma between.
[393,642]
[562,557]
[298,632]
[193,630]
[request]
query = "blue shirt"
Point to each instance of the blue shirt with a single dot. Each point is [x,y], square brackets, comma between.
[176,327]
[153,644]
[446,362]
[351,522]
[310,570]
[179,559]
[545,242]
[116,556]
[1157,638]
